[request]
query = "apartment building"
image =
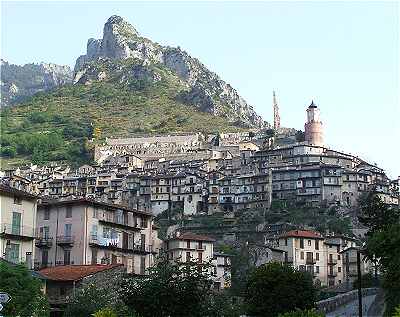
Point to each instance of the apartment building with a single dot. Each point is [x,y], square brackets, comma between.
[185,247]
[349,261]
[17,225]
[245,191]
[83,231]
[305,251]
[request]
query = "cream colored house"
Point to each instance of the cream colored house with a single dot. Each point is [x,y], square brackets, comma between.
[186,247]
[306,252]
[17,225]
[83,231]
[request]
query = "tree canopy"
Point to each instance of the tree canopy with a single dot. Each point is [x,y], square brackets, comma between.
[27,299]
[383,243]
[275,288]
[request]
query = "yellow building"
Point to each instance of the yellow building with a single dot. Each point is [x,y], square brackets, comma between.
[17,225]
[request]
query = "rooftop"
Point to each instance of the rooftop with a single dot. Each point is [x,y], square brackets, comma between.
[74,272]
[193,236]
[302,234]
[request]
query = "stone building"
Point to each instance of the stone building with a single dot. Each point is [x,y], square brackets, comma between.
[62,282]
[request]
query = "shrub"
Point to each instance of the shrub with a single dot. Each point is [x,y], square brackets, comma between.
[105,312]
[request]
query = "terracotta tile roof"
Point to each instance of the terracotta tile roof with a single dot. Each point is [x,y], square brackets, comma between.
[74,272]
[302,234]
[193,236]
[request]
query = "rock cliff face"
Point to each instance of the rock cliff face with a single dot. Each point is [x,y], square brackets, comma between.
[20,82]
[205,90]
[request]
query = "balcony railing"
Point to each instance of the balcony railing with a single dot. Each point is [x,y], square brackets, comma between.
[65,240]
[332,274]
[17,231]
[310,261]
[332,261]
[44,242]
[115,244]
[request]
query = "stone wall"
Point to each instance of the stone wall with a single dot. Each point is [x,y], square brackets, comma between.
[331,304]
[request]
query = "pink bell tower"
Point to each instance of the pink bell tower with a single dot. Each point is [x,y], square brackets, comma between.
[313,130]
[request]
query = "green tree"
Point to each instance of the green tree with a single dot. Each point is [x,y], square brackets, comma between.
[300,136]
[375,214]
[383,243]
[94,298]
[274,288]
[173,289]
[9,151]
[25,290]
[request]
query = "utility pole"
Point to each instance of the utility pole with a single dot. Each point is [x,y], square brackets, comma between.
[359,283]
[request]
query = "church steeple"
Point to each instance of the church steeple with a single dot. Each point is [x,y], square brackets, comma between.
[277,119]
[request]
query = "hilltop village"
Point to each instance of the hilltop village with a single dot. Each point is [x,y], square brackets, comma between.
[192,196]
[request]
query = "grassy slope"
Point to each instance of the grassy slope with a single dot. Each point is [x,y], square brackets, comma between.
[117,109]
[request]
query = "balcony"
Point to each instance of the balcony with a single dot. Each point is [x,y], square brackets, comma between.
[44,242]
[332,274]
[115,245]
[332,262]
[12,231]
[310,261]
[65,241]
[119,223]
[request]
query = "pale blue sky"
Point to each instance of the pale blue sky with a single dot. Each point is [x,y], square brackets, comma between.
[344,55]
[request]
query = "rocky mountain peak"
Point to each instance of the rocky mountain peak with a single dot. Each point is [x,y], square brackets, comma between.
[118,26]
[19,82]
[207,91]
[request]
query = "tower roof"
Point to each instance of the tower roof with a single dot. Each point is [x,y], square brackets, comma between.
[312,105]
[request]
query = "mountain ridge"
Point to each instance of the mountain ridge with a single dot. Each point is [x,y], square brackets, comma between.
[19,82]
[207,91]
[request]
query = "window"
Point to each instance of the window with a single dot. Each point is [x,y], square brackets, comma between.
[17,200]
[317,269]
[188,257]
[339,269]
[142,265]
[94,256]
[317,256]
[338,256]
[67,257]
[13,253]
[309,243]
[316,244]
[68,230]
[46,215]
[302,243]
[63,291]
[301,255]
[16,223]
[188,244]
[95,212]
[68,212]
[286,242]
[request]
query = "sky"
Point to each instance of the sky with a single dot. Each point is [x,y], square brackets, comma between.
[343,55]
